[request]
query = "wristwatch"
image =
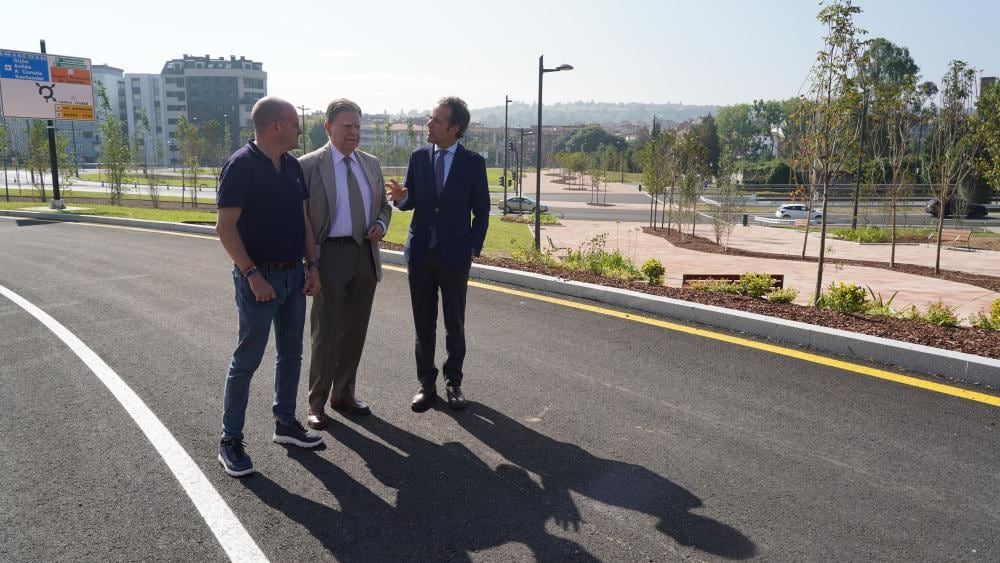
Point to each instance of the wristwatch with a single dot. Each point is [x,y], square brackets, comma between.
[310,264]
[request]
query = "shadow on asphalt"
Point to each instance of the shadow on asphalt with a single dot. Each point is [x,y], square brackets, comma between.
[450,502]
[32,223]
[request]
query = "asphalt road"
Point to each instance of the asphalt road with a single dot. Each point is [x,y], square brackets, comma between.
[588,437]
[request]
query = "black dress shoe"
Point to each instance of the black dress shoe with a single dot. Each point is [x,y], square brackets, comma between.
[424,399]
[456,399]
[352,405]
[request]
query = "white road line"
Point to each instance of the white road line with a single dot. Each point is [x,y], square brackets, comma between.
[233,537]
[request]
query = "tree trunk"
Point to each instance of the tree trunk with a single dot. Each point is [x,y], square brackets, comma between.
[892,235]
[822,240]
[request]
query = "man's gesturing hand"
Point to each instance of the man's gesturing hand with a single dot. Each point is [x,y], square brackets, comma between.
[397,193]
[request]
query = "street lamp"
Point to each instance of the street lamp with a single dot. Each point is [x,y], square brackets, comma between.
[538,153]
[507,101]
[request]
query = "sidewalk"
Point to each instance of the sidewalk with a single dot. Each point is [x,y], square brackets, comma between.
[918,290]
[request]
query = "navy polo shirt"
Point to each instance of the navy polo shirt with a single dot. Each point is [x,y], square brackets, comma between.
[272,224]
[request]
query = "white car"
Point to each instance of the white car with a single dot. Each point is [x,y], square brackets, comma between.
[797,211]
[518,204]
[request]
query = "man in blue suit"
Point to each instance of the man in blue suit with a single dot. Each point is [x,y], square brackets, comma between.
[445,184]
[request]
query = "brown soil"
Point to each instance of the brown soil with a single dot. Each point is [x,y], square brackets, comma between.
[970,340]
[702,244]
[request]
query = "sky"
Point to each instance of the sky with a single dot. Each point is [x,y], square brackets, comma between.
[401,55]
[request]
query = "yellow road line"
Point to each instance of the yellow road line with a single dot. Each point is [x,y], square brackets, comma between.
[779,350]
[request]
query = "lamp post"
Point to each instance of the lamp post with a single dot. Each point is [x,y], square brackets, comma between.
[302,145]
[506,103]
[538,152]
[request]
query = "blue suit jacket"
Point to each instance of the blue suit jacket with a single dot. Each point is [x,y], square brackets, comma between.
[465,191]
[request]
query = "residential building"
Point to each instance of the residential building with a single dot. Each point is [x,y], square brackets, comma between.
[203,89]
[145,102]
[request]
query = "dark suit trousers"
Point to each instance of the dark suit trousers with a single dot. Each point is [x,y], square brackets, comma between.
[339,319]
[426,278]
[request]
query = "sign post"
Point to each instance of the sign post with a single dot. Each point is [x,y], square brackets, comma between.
[50,87]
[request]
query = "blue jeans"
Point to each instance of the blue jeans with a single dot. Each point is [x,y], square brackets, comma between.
[288,314]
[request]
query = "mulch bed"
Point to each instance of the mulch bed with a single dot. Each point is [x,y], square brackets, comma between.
[702,244]
[970,340]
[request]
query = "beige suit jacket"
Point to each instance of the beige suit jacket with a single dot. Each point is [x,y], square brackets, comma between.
[317,167]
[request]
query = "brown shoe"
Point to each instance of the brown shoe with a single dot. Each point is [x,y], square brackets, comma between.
[424,399]
[317,420]
[352,405]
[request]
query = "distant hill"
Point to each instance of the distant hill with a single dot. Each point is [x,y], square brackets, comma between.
[582,113]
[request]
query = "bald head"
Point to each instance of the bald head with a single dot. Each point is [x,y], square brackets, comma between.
[268,110]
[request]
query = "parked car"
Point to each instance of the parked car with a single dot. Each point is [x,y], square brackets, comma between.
[951,207]
[797,211]
[518,204]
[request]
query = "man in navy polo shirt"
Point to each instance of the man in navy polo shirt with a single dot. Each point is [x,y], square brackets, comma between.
[264,228]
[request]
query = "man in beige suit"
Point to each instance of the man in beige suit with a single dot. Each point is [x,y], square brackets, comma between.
[349,213]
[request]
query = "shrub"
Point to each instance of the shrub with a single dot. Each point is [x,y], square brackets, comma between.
[591,257]
[880,307]
[912,313]
[940,314]
[755,284]
[718,286]
[982,320]
[784,295]
[529,255]
[653,270]
[995,314]
[844,297]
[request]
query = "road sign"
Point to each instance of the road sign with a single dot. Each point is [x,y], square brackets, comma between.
[41,86]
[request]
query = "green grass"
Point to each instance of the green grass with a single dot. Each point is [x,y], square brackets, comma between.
[168,215]
[69,194]
[630,177]
[501,238]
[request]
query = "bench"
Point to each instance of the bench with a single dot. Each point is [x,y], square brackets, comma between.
[953,237]
[688,279]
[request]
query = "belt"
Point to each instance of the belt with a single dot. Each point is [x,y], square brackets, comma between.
[279,266]
[343,240]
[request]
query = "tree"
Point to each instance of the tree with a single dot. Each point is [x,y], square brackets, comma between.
[834,95]
[883,67]
[768,116]
[707,134]
[191,150]
[897,108]
[655,161]
[692,167]
[116,155]
[729,206]
[952,146]
[588,139]
[737,133]
[988,130]
[38,153]
[5,153]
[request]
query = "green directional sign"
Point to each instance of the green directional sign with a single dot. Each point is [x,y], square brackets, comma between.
[70,62]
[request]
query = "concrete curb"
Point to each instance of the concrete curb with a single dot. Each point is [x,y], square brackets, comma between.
[860,347]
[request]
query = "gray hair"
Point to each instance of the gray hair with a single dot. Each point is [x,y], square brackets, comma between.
[339,105]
